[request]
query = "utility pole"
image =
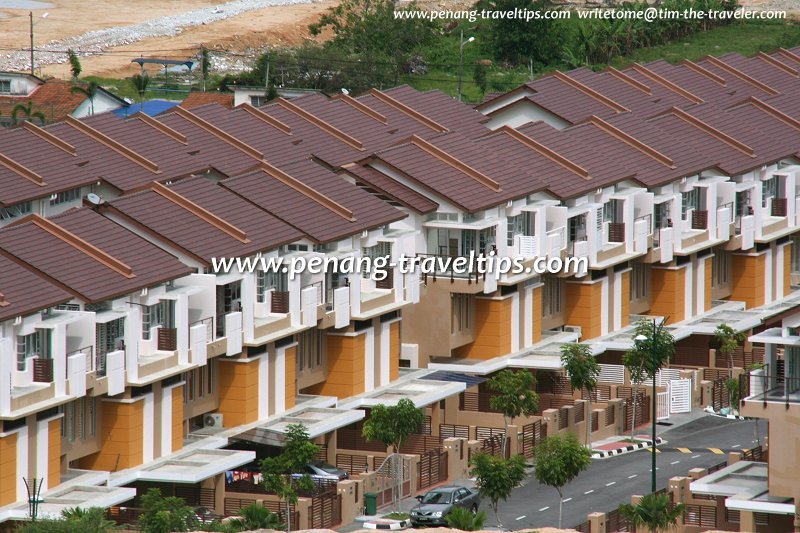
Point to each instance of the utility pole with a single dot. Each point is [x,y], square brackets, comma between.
[266,74]
[462,42]
[653,454]
[30,15]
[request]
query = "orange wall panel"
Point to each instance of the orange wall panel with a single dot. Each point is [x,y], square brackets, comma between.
[345,366]
[177,418]
[291,376]
[53,453]
[625,297]
[583,305]
[787,269]
[394,350]
[492,329]
[238,392]
[537,313]
[121,437]
[709,270]
[669,293]
[749,274]
[8,469]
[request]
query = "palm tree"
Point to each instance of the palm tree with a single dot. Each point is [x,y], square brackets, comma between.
[28,113]
[90,91]
[140,83]
[254,516]
[654,512]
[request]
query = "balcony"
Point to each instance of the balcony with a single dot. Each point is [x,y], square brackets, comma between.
[778,208]
[387,282]
[699,220]
[769,385]
[209,324]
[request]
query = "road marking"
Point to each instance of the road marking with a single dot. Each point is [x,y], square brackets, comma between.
[567,500]
[520,517]
[612,483]
[544,509]
[736,446]
[674,462]
[589,491]
[716,451]
[695,456]
[632,476]
[684,450]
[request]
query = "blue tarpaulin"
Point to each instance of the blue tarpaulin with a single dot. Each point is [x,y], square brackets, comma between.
[151,107]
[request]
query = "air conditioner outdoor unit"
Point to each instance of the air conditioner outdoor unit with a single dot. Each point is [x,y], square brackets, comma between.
[213,420]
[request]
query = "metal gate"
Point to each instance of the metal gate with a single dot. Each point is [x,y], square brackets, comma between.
[432,468]
[680,396]
[662,406]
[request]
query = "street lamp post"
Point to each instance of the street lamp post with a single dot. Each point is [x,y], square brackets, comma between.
[30,16]
[461,59]
[653,352]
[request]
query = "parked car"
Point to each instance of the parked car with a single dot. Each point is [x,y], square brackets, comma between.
[322,471]
[436,504]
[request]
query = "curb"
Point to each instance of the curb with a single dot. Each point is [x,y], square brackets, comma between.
[393,525]
[627,449]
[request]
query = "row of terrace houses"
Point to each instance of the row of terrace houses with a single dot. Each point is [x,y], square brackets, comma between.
[122,346]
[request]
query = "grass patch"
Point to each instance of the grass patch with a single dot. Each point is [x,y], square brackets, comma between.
[396,516]
[746,38]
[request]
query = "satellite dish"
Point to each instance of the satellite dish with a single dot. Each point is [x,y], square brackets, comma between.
[345,91]
[94,199]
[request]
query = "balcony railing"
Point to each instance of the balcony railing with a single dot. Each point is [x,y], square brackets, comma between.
[571,243]
[167,339]
[320,292]
[88,352]
[209,323]
[43,370]
[779,207]
[649,219]
[616,232]
[443,267]
[699,219]
[761,385]
[280,302]
[100,364]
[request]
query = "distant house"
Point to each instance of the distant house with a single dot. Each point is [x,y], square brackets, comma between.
[53,98]
[257,96]
[197,98]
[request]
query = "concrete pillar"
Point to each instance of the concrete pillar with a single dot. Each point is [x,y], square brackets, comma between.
[218,483]
[734,457]
[597,522]
[450,414]
[697,473]
[712,359]
[330,442]
[352,494]
[747,521]
[457,460]
[513,440]
[436,418]
[413,461]
[303,508]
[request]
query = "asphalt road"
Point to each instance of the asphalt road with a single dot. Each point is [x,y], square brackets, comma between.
[610,482]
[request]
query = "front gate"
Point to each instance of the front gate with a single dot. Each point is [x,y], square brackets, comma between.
[680,396]
[662,406]
[432,468]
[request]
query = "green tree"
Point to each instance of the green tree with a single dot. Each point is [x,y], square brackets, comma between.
[272,92]
[140,83]
[165,514]
[520,41]
[654,512]
[89,90]
[647,356]
[205,65]
[495,477]
[559,460]
[515,396]
[463,519]
[391,425]
[583,371]
[728,341]
[479,77]
[370,29]
[27,112]
[252,517]
[75,67]
[285,475]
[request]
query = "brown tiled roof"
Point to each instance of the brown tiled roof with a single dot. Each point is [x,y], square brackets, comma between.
[89,254]
[54,98]
[312,216]
[23,292]
[198,98]
[210,221]
[391,188]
